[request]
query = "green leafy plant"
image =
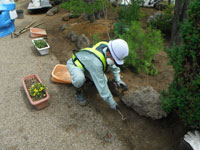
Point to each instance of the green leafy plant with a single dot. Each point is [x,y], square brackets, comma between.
[96,38]
[163,21]
[143,47]
[183,94]
[79,6]
[129,13]
[76,6]
[40,43]
[126,15]
[38,91]
[96,6]
[119,28]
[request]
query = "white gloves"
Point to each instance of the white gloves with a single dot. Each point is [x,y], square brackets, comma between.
[120,83]
[123,85]
[114,106]
[193,139]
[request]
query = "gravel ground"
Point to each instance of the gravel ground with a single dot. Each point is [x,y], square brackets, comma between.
[63,124]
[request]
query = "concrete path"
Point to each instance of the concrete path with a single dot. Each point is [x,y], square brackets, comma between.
[64,125]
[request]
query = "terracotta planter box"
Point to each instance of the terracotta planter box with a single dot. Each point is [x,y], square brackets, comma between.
[37,32]
[39,104]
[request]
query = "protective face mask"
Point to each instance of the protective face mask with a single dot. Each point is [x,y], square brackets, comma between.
[110,61]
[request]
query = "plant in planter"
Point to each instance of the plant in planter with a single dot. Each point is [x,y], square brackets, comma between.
[41,45]
[36,91]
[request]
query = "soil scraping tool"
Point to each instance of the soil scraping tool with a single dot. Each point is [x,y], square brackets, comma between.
[27,28]
[23,29]
[122,116]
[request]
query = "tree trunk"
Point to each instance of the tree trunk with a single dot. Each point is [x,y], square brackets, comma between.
[169,2]
[179,16]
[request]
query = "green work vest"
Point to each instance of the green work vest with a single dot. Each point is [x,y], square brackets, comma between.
[97,50]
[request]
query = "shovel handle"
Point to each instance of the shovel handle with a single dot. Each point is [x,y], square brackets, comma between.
[26,27]
[38,24]
[29,27]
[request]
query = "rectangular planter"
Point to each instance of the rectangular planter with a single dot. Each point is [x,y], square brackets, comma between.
[42,51]
[37,32]
[39,104]
[60,74]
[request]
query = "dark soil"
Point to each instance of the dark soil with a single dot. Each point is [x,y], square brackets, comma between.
[30,82]
[136,132]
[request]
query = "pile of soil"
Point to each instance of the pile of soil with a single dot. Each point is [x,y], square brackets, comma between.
[30,82]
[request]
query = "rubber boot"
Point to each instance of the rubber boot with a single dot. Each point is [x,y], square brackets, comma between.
[80,97]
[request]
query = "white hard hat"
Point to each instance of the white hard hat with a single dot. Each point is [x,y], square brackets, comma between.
[119,50]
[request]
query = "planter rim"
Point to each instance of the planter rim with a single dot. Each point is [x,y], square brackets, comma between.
[58,79]
[36,39]
[27,93]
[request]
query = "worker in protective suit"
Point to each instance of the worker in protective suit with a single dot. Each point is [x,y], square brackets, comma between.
[92,63]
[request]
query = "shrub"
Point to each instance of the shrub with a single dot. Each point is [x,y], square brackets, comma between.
[119,29]
[183,95]
[129,13]
[79,6]
[76,6]
[163,21]
[143,47]
[126,15]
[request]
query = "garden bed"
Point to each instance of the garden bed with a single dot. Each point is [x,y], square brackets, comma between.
[137,132]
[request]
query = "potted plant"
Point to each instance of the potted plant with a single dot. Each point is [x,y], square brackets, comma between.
[36,91]
[41,45]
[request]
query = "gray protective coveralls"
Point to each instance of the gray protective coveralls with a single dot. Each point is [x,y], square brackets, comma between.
[94,71]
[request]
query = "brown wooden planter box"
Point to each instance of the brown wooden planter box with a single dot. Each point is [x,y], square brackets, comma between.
[39,104]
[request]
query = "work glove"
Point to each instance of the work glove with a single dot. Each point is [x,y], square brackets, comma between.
[193,139]
[114,106]
[121,84]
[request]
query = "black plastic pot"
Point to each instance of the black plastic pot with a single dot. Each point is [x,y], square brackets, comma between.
[91,18]
[20,14]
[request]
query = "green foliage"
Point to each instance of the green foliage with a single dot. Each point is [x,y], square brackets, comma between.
[129,13]
[120,28]
[96,38]
[143,46]
[164,21]
[38,91]
[40,43]
[76,6]
[126,15]
[79,6]
[183,95]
